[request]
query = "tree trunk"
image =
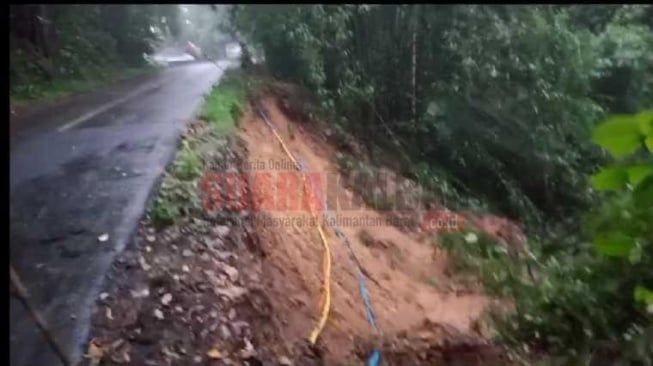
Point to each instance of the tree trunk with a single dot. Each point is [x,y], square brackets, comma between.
[414,81]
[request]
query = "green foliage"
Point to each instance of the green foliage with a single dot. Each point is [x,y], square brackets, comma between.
[592,300]
[509,93]
[179,194]
[188,164]
[77,44]
[222,107]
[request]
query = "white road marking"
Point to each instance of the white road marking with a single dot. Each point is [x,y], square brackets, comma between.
[106,107]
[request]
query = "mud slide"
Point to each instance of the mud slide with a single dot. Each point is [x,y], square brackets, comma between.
[400,269]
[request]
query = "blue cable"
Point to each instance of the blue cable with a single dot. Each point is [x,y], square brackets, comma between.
[374,359]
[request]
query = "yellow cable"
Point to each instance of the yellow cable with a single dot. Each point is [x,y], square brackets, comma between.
[326,262]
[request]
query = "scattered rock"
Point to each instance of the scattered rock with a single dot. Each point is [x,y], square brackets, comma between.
[247,351]
[140,294]
[231,272]
[104,296]
[284,361]
[150,238]
[232,314]
[165,300]
[186,253]
[158,314]
[239,327]
[185,268]
[103,238]
[224,331]
[223,255]
[221,230]
[146,267]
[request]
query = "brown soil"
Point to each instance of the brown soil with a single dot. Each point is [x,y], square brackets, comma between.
[397,264]
[241,289]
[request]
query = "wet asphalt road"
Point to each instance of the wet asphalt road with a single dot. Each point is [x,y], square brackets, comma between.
[78,169]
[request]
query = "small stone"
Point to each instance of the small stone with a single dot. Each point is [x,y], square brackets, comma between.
[143,263]
[221,230]
[179,309]
[103,238]
[223,255]
[104,296]
[284,361]
[232,314]
[224,331]
[186,253]
[197,359]
[165,300]
[231,272]
[232,293]
[213,314]
[142,293]
[150,238]
[148,248]
[239,327]
[247,351]
[185,268]
[158,314]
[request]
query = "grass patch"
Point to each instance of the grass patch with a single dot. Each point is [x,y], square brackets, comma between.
[180,194]
[57,88]
[223,106]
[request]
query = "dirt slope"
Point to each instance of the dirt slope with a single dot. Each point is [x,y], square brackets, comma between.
[401,270]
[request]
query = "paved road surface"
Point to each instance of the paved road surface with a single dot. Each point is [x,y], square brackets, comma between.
[79,169]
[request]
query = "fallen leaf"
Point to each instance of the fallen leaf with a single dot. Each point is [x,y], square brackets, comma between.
[94,353]
[214,353]
[102,238]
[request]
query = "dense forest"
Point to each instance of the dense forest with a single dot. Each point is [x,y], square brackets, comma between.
[54,45]
[540,113]
[496,108]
